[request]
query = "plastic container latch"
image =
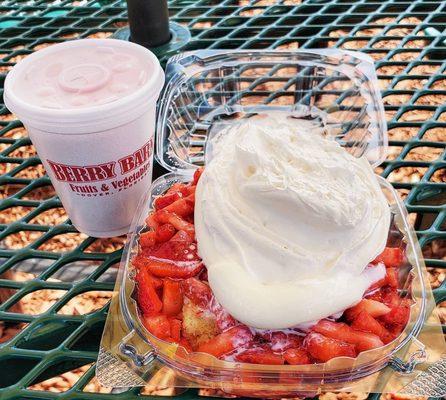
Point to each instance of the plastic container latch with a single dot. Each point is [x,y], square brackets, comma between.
[139,360]
[417,357]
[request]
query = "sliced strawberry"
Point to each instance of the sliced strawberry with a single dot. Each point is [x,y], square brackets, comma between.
[182,236]
[176,258]
[366,323]
[197,175]
[227,341]
[390,297]
[146,296]
[281,341]
[185,343]
[172,297]
[296,356]
[175,329]
[191,190]
[151,222]
[375,295]
[182,207]
[179,248]
[323,348]
[260,355]
[399,316]
[172,269]
[139,264]
[156,282]
[164,217]
[394,332]
[343,332]
[167,199]
[334,330]
[177,187]
[373,307]
[148,300]
[197,292]
[158,325]
[147,239]
[165,232]
[367,341]
[392,277]
[391,257]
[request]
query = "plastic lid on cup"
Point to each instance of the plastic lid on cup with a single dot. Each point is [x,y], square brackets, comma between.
[84,85]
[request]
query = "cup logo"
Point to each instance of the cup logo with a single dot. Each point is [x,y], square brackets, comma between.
[135,160]
[90,173]
[106,178]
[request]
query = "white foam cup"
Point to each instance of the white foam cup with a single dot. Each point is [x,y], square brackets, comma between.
[89,108]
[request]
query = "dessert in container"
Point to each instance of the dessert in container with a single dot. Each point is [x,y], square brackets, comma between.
[206,91]
[89,108]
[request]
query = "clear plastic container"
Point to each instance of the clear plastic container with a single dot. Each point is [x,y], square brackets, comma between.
[207,90]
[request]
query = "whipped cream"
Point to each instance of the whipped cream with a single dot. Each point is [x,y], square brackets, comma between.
[287,222]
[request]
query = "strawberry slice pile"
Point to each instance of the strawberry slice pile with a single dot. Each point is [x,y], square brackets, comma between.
[177,304]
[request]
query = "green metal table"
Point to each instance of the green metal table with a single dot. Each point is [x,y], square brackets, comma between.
[406,39]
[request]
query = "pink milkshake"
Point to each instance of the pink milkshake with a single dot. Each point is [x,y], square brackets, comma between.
[89,107]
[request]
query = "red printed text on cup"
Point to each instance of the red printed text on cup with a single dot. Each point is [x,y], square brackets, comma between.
[105,178]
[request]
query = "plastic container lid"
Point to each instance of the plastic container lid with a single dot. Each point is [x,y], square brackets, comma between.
[206,89]
[83,85]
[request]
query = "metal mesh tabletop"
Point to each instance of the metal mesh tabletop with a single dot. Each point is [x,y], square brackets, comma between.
[58,281]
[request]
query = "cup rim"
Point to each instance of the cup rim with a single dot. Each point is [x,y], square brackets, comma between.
[111,114]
